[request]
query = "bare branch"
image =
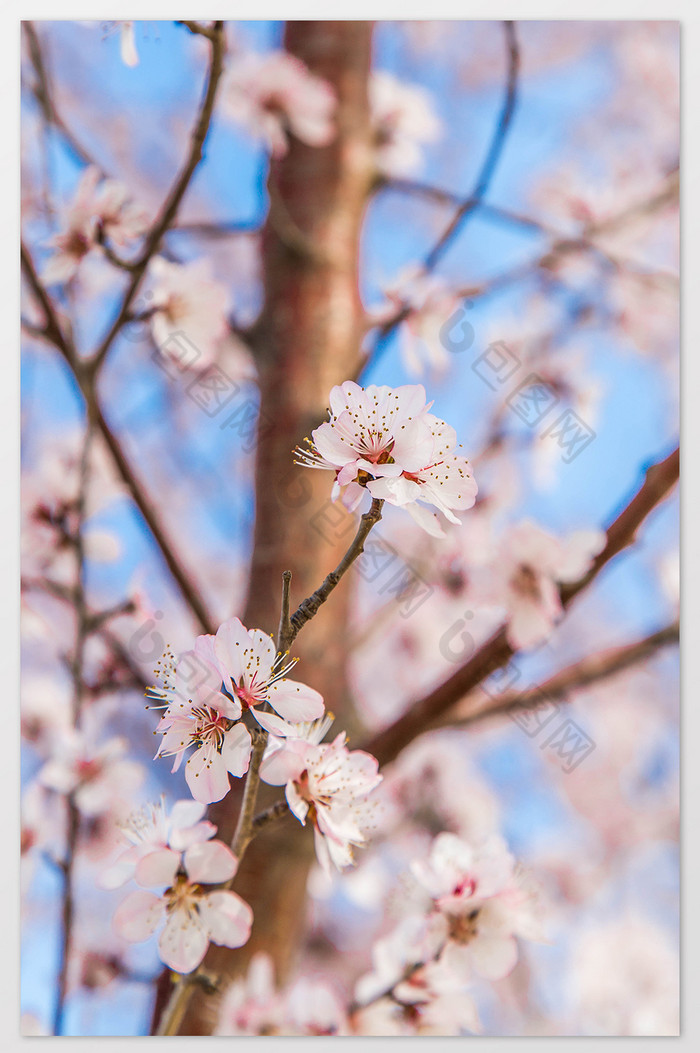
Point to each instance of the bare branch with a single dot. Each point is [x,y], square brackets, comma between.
[497,652]
[586,671]
[168,213]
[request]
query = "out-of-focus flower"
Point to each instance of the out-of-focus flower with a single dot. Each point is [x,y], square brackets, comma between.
[236,672]
[481,903]
[127,39]
[99,208]
[275,95]
[119,218]
[45,710]
[429,304]
[78,235]
[326,784]
[524,575]
[250,1005]
[95,776]
[193,917]
[625,980]
[403,121]
[127,46]
[253,1006]
[188,302]
[415,940]
[312,1007]
[385,441]
[151,829]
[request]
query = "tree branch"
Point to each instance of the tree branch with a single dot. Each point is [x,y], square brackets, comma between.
[497,652]
[308,607]
[474,199]
[168,212]
[586,671]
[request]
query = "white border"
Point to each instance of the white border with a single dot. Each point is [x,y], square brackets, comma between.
[12,13]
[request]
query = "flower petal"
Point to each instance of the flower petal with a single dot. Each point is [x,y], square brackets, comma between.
[206,775]
[137,917]
[295,702]
[183,942]
[210,862]
[227,917]
[157,868]
[236,749]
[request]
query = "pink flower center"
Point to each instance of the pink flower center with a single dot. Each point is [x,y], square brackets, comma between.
[251,695]
[210,725]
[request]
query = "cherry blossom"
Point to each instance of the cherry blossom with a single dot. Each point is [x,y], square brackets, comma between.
[237,672]
[385,441]
[409,990]
[312,1007]
[94,775]
[250,1005]
[326,784]
[77,237]
[403,120]
[151,829]
[274,95]
[430,304]
[99,207]
[189,306]
[193,917]
[445,482]
[481,904]
[524,575]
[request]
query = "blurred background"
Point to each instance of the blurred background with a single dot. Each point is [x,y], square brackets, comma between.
[490,210]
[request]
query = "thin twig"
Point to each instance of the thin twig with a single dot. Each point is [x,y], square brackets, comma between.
[469,204]
[168,213]
[76,667]
[308,607]
[248,823]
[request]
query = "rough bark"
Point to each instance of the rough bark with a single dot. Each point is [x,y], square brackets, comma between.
[307,339]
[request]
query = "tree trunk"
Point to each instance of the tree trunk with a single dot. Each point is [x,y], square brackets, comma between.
[307,339]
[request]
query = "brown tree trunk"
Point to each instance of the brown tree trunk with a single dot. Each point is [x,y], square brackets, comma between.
[307,340]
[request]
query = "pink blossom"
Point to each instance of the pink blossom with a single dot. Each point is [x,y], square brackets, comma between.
[188,303]
[250,1005]
[481,904]
[234,673]
[120,219]
[528,566]
[409,990]
[403,120]
[193,917]
[385,441]
[445,482]
[326,784]
[78,236]
[312,1007]
[430,305]
[274,96]
[151,829]
[94,776]
[98,207]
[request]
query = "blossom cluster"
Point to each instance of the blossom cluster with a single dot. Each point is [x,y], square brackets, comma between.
[214,698]
[475,902]
[254,1006]
[177,855]
[100,209]
[385,442]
